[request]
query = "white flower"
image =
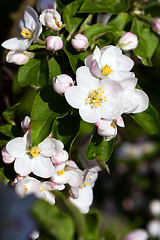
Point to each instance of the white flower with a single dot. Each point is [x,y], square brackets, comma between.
[79,42]
[45,4]
[60,157]
[95,99]
[19,58]
[7,158]
[51,18]
[128,41]
[153,228]
[154,207]
[61,83]
[106,128]
[138,234]
[109,62]
[30,185]
[33,159]
[25,124]
[54,43]
[29,29]
[67,172]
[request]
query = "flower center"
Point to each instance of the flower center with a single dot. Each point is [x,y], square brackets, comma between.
[56,22]
[84,184]
[95,98]
[34,151]
[106,70]
[26,33]
[25,191]
[60,172]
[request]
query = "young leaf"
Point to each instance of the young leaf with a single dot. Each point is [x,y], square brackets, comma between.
[47,106]
[10,114]
[99,148]
[9,130]
[34,72]
[149,120]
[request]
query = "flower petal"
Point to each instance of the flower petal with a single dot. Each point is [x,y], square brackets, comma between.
[85,79]
[89,114]
[76,96]
[141,98]
[16,44]
[50,146]
[22,165]
[42,166]
[16,147]
[30,18]
[120,75]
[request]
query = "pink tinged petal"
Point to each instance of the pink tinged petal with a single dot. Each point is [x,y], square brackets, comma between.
[22,165]
[50,146]
[25,124]
[30,18]
[16,147]
[7,158]
[129,83]
[95,70]
[120,122]
[60,157]
[17,44]
[138,234]
[37,32]
[88,60]
[76,96]
[97,55]
[141,99]
[89,114]
[85,79]
[109,132]
[42,166]
[120,75]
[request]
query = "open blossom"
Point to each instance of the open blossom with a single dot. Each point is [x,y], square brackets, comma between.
[41,5]
[29,29]
[109,62]
[28,185]
[61,83]
[79,42]
[128,41]
[54,43]
[51,18]
[106,128]
[95,99]
[19,58]
[33,159]
[138,234]
[60,157]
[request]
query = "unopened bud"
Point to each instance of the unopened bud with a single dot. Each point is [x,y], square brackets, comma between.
[60,157]
[61,83]
[138,234]
[19,58]
[54,43]
[79,42]
[156,25]
[41,5]
[128,41]
[25,124]
[107,129]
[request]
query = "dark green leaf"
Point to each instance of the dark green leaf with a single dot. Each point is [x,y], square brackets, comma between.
[47,106]
[9,130]
[54,68]
[149,120]
[2,176]
[108,6]
[99,148]
[120,21]
[91,226]
[10,114]
[34,72]
[53,221]
[66,129]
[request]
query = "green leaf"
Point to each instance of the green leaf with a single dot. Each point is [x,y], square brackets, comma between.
[9,130]
[120,21]
[34,72]
[10,114]
[54,68]
[149,120]
[91,226]
[66,129]
[36,46]
[147,41]
[2,176]
[71,18]
[108,6]
[99,148]
[47,106]
[53,221]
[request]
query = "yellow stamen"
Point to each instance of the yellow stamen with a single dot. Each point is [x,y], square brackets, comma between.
[60,172]
[34,152]
[25,33]
[84,184]
[56,22]
[106,70]
[95,97]
[25,191]
[100,89]
[112,125]
[41,189]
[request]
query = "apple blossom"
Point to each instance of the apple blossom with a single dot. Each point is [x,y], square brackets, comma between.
[153,228]
[25,124]
[109,62]
[41,5]
[51,18]
[67,172]
[79,42]
[156,25]
[154,207]
[138,234]
[61,83]
[7,158]
[54,43]
[95,99]
[30,185]
[60,157]
[29,29]
[33,159]
[19,58]
[128,41]
[106,128]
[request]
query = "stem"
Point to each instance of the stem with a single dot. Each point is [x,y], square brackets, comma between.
[85,23]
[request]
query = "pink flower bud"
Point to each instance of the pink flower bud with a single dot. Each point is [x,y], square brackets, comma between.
[41,5]
[138,234]
[7,158]
[19,58]
[156,25]
[25,124]
[54,43]
[128,41]
[79,42]
[60,157]
[61,83]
